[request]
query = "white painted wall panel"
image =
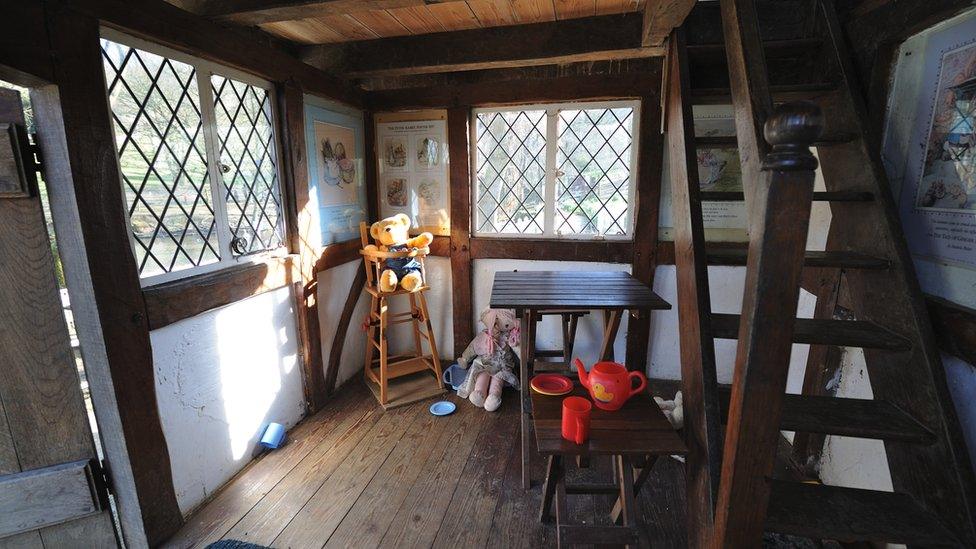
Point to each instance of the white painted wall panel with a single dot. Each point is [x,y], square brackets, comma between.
[220,378]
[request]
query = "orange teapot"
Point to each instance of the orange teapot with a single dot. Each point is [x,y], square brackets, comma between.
[610,384]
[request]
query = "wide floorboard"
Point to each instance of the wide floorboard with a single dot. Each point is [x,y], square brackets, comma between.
[353,475]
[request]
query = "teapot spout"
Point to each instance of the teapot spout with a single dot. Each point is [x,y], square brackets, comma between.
[584,377]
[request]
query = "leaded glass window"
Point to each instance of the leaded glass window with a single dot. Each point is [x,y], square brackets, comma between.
[247,164]
[197,160]
[555,170]
[593,171]
[158,128]
[511,171]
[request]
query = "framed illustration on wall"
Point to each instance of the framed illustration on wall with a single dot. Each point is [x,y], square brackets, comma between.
[413,168]
[718,171]
[335,149]
[937,202]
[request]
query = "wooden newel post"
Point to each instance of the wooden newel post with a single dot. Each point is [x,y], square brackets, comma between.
[778,234]
[791,131]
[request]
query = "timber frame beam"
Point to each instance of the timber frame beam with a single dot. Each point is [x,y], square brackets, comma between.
[248,50]
[661,17]
[608,38]
[256,12]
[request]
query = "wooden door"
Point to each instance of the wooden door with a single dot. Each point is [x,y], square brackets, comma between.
[52,492]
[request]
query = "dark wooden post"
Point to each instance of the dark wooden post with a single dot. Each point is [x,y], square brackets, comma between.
[118,298]
[698,377]
[749,83]
[303,240]
[781,216]
[457,138]
[644,262]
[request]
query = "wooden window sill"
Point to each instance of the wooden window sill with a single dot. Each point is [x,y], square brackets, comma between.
[173,301]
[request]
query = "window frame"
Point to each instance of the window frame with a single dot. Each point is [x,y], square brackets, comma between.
[551,155]
[205,70]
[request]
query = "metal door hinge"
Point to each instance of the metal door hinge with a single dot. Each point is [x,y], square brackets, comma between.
[102,479]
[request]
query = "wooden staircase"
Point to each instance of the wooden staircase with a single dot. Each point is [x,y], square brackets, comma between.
[731,497]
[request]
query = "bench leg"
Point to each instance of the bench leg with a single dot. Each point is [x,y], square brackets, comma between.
[625,479]
[562,511]
[549,487]
[642,475]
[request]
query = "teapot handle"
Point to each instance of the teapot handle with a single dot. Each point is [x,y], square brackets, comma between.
[640,386]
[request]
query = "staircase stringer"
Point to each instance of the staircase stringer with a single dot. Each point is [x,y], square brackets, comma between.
[702,424]
[940,475]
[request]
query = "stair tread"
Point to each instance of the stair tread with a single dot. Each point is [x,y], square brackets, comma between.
[819,196]
[773,48]
[847,333]
[840,259]
[849,514]
[850,417]
[730,141]
[780,93]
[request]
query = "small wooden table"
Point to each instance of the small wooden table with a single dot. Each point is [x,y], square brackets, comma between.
[529,292]
[636,431]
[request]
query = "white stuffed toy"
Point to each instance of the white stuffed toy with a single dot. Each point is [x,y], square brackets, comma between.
[490,360]
[673,410]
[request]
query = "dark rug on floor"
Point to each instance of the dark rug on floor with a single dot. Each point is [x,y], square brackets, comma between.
[234,544]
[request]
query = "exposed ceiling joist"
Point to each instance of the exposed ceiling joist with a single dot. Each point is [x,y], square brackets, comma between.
[256,12]
[609,37]
[660,17]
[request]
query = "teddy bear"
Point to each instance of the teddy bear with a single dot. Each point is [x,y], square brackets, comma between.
[392,235]
[490,359]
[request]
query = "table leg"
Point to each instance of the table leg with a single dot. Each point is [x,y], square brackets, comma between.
[642,475]
[611,323]
[525,355]
[549,488]
[625,480]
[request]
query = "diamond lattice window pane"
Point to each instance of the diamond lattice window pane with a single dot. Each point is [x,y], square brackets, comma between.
[511,170]
[247,163]
[593,177]
[156,111]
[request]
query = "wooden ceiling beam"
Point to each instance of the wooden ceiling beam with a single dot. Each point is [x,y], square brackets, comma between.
[256,12]
[660,17]
[603,38]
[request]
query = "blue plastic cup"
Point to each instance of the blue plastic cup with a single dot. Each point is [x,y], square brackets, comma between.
[273,436]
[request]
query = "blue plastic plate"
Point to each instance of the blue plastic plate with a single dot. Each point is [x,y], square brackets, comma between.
[442,408]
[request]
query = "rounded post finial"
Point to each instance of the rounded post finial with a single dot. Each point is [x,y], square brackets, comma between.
[791,130]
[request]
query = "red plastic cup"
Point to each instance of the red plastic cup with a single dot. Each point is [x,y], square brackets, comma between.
[576,419]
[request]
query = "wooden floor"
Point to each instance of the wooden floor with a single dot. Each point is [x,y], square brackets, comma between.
[356,476]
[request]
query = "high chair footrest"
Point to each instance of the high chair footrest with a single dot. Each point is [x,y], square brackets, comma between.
[404,367]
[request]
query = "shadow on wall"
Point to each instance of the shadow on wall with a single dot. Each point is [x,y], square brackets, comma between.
[220,378]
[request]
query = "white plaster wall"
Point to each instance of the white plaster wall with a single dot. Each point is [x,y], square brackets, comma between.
[220,378]
[855,462]
[333,290]
[725,286]
[961,378]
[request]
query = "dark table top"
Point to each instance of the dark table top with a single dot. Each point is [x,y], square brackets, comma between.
[636,429]
[541,290]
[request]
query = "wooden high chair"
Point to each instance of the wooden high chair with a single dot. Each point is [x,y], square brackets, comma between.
[382,369]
